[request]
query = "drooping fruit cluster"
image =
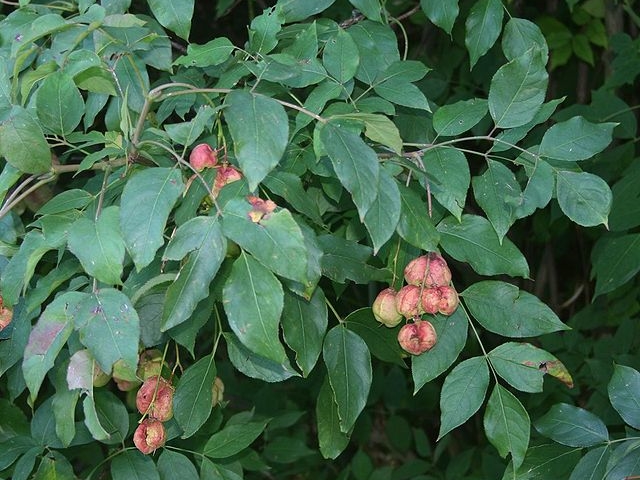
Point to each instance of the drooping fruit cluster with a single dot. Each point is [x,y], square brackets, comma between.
[429,291]
[154,400]
[203,156]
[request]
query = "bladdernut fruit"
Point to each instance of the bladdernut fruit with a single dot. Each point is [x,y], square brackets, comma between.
[448,300]
[431,300]
[162,407]
[203,156]
[384,308]
[217,392]
[417,337]
[408,301]
[430,269]
[150,435]
[149,363]
[226,174]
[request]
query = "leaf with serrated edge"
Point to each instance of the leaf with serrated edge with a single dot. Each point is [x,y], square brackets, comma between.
[504,309]
[507,425]
[624,393]
[147,200]
[572,426]
[583,197]
[349,368]
[233,439]
[331,439]
[452,336]
[462,393]
[192,399]
[253,301]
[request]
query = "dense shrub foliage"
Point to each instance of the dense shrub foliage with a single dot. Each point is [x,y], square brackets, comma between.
[201,202]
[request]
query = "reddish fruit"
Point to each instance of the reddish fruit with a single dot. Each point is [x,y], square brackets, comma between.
[149,364]
[384,308]
[149,435]
[6,315]
[408,301]
[431,300]
[202,156]
[226,174]
[448,300]
[161,407]
[261,208]
[430,269]
[417,337]
[217,392]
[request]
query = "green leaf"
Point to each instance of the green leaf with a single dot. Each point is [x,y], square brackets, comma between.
[498,193]
[113,415]
[304,324]
[449,175]
[22,142]
[264,29]
[507,425]
[192,401]
[186,133]
[518,90]
[174,15]
[575,139]
[344,259]
[378,47]
[47,338]
[384,214]
[201,238]
[523,366]
[452,336]
[402,93]
[233,439]
[441,14]
[276,240]
[369,8]
[12,348]
[593,465]
[623,462]
[175,466]
[289,186]
[355,163]
[504,309]
[259,128]
[147,200]
[462,393]
[456,118]
[378,128]
[572,426]
[616,260]
[91,420]
[475,242]
[331,439]
[54,465]
[74,198]
[624,393]
[415,225]
[99,245]
[519,36]
[215,471]
[256,366]
[253,301]
[583,197]
[211,53]
[482,27]
[22,266]
[544,462]
[349,370]
[381,341]
[59,104]
[109,327]
[403,71]
[538,191]
[296,10]
[131,464]
[625,208]
[340,56]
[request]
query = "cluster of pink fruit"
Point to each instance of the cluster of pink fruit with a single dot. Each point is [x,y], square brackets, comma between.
[203,156]
[428,290]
